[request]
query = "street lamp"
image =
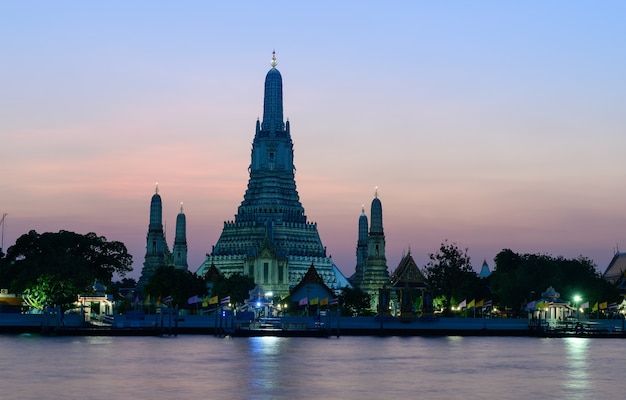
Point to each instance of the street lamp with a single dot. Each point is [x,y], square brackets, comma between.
[576,301]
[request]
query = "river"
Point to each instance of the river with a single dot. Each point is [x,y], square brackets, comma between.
[208,367]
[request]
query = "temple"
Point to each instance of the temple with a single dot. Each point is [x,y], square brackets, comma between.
[157,251]
[270,238]
[375,272]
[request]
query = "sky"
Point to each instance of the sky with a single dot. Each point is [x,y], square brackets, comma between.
[488,124]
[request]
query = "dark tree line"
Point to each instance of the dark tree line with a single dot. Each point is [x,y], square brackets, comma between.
[516,279]
[519,277]
[51,269]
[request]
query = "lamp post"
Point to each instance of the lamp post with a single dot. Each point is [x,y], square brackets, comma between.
[576,300]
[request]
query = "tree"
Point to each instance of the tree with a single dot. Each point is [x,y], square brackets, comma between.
[47,266]
[178,283]
[450,274]
[237,286]
[517,276]
[354,301]
[48,291]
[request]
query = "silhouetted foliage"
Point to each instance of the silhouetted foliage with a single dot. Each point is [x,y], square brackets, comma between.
[354,301]
[519,277]
[178,283]
[237,286]
[54,264]
[449,273]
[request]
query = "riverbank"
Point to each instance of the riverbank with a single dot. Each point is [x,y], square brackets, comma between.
[319,326]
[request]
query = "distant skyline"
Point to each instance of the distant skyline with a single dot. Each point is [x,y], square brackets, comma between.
[490,124]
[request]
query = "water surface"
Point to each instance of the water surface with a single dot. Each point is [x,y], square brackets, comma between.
[207,367]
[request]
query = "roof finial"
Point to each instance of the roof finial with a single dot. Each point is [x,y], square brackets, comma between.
[376,192]
[274,62]
[181,207]
[156,188]
[362,208]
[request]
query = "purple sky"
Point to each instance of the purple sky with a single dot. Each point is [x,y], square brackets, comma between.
[491,124]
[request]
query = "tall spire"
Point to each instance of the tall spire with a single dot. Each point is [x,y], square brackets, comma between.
[376,274]
[272,194]
[361,249]
[270,238]
[156,248]
[273,104]
[376,214]
[180,241]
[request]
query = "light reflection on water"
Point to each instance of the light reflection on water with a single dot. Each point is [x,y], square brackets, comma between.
[192,367]
[576,384]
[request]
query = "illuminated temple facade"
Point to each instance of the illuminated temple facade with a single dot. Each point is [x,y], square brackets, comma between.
[270,238]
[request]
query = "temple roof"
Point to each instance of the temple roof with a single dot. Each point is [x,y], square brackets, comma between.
[311,277]
[212,273]
[408,274]
[484,270]
[615,271]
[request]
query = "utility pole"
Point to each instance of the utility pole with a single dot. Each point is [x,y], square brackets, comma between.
[2,225]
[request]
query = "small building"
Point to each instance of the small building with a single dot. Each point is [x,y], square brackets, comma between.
[410,288]
[97,305]
[311,291]
[550,309]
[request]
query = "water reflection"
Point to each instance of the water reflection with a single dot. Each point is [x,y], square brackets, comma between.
[264,362]
[576,382]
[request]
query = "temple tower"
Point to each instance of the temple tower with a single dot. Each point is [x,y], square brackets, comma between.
[361,249]
[376,274]
[156,247]
[270,238]
[180,241]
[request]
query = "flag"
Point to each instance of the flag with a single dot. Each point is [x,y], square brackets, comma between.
[167,299]
[324,301]
[225,300]
[136,300]
[303,301]
[193,300]
[603,305]
[531,305]
[487,303]
[612,306]
[147,300]
[334,302]
[479,303]
[158,301]
[205,302]
[213,300]
[463,304]
[584,305]
[595,307]
[470,304]
[314,301]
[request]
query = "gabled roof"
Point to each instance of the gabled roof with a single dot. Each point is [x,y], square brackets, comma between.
[615,271]
[312,277]
[408,274]
[212,273]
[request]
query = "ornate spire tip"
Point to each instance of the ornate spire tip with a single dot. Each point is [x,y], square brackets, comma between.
[274,62]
